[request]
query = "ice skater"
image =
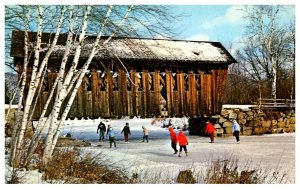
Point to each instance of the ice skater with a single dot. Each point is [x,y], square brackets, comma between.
[102,129]
[236,131]
[183,142]
[111,136]
[126,131]
[145,132]
[210,130]
[173,137]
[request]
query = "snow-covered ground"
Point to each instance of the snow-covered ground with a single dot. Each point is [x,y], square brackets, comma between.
[267,151]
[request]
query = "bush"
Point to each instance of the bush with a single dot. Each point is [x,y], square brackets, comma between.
[186,177]
[227,171]
[72,167]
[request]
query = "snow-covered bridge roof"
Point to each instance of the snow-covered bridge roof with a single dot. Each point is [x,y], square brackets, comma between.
[143,49]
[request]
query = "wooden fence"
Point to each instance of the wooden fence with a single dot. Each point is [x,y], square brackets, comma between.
[265,103]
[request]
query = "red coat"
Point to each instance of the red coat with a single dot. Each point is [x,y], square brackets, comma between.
[173,135]
[182,139]
[209,128]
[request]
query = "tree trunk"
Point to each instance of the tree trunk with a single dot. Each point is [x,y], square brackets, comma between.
[21,132]
[274,73]
[61,95]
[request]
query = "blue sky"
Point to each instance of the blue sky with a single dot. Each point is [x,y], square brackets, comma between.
[223,23]
[201,24]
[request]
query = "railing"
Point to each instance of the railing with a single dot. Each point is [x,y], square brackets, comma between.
[275,103]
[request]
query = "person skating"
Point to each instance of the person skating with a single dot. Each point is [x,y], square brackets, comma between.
[210,130]
[145,132]
[236,131]
[102,129]
[111,136]
[126,131]
[183,142]
[173,137]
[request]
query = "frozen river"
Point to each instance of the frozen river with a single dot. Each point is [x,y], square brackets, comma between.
[266,151]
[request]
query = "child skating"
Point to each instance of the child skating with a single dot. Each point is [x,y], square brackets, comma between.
[183,142]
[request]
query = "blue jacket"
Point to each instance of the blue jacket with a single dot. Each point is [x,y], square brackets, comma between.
[110,133]
[235,127]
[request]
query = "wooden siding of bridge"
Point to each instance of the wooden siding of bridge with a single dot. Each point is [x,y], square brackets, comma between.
[147,94]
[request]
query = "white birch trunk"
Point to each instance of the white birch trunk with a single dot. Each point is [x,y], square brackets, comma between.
[23,83]
[41,123]
[274,73]
[20,134]
[79,80]
[37,94]
[50,50]
[62,94]
[272,55]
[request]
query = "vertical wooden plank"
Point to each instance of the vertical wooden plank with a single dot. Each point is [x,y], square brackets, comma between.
[219,93]
[146,92]
[89,104]
[216,92]
[208,87]
[134,93]
[79,102]
[149,94]
[222,82]
[101,95]
[174,102]
[203,94]
[110,94]
[84,86]
[168,87]
[117,103]
[140,103]
[187,104]
[156,103]
[180,89]
[212,93]
[198,94]
[95,90]
[193,94]
[123,92]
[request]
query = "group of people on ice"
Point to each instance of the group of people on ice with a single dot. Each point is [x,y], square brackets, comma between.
[179,138]
[111,133]
[210,130]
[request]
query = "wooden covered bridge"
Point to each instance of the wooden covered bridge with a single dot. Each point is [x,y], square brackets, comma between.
[162,77]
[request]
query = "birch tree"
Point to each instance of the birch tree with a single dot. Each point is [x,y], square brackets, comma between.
[267,44]
[110,21]
[23,79]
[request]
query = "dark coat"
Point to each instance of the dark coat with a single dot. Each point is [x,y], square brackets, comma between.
[101,127]
[126,130]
